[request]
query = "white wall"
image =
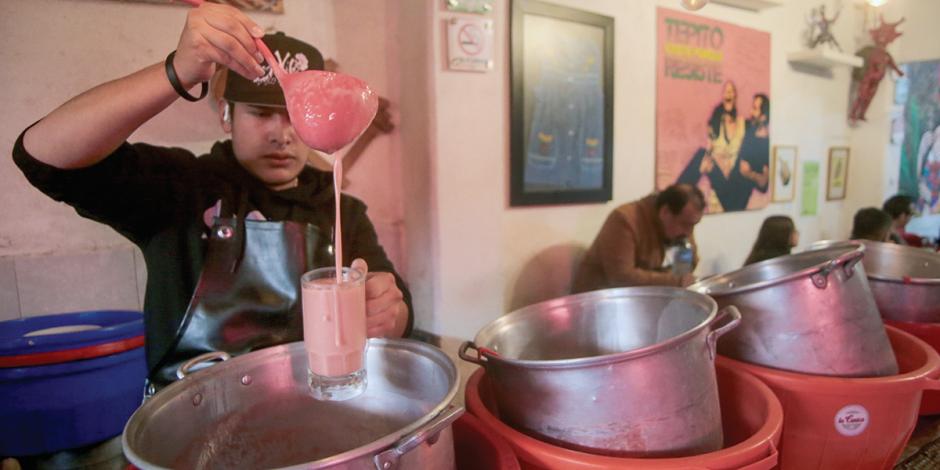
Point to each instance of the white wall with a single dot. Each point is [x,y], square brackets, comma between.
[873,166]
[485,245]
[464,247]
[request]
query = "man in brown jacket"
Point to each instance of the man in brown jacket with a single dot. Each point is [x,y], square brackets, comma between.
[631,247]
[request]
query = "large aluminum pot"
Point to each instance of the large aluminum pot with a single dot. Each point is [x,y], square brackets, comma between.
[624,372]
[811,312]
[905,280]
[256,411]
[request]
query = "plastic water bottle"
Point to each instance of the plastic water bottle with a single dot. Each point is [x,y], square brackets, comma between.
[682,264]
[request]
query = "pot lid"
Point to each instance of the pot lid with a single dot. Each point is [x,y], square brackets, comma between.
[69,331]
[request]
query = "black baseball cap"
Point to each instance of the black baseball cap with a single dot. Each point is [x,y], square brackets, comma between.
[294,56]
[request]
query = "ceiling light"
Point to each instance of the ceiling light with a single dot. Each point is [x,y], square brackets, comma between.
[698,4]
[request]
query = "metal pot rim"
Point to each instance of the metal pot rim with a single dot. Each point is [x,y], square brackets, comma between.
[695,297]
[890,247]
[926,281]
[703,285]
[263,355]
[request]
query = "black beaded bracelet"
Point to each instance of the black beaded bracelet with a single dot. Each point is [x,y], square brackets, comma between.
[175,81]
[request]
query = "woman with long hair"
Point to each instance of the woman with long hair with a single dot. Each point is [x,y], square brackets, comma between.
[777,236]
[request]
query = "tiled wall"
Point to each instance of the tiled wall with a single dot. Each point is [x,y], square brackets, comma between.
[112,278]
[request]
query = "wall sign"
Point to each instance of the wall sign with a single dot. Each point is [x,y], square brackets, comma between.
[810,195]
[470,6]
[470,44]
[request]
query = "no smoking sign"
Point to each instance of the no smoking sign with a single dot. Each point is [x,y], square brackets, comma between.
[470,44]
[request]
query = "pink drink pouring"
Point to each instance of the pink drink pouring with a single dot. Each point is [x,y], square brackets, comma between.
[334,313]
[335,332]
[336,323]
[329,110]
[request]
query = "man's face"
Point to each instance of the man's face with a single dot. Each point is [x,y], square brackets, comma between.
[729,96]
[676,226]
[906,217]
[266,144]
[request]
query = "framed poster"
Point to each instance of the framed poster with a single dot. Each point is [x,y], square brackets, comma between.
[837,177]
[713,109]
[562,105]
[273,6]
[783,173]
[915,135]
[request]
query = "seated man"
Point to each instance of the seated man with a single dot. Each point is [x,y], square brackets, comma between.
[901,210]
[871,223]
[630,249]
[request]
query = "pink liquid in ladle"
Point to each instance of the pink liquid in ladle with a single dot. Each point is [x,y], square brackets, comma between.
[327,109]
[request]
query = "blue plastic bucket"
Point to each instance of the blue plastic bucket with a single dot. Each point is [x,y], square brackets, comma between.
[61,406]
[57,406]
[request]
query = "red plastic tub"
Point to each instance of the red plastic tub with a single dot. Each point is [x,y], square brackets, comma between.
[851,423]
[478,448]
[930,334]
[751,419]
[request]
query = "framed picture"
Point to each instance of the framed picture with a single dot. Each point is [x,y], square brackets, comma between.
[783,173]
[915,136]
[837,179]
[562,71]
[273,6]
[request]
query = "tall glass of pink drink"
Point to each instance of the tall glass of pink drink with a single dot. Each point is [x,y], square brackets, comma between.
[335,332]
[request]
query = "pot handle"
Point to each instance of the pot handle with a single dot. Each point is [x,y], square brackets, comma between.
[712,339]
[205,358]
[480,358]
[428,433]
[848,261]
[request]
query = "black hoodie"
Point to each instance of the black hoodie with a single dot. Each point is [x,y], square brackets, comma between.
[157,197]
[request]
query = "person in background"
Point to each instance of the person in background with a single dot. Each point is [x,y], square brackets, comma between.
[632,246]
[226,235]
[901,210]
[755,149]
[871,223]
[778,235]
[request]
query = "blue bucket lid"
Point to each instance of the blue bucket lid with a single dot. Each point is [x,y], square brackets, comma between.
[66,331]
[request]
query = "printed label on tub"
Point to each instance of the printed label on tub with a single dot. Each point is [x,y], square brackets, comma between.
[851,420]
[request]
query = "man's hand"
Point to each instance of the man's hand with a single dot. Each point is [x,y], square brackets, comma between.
[746,170]
[386,312]
[217,34]
[708,164]
[687,279]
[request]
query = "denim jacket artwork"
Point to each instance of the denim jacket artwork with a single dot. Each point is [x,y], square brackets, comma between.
[565,145]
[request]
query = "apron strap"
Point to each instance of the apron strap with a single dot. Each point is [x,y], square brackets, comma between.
[224,253]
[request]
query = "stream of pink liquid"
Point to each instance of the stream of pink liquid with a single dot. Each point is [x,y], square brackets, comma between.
[328,111]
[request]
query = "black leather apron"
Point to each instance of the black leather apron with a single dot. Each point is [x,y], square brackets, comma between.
[248,293]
